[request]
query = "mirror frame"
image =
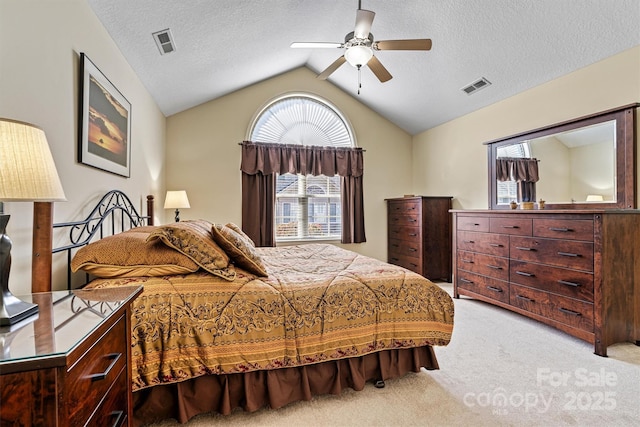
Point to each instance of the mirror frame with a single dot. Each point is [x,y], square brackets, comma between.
[625,184]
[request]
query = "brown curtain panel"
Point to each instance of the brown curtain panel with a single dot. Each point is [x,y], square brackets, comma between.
[261,160]
[522,170]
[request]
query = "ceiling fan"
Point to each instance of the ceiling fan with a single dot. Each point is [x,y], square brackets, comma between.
[360,45]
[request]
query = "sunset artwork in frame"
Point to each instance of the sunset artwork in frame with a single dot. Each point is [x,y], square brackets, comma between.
[105,122]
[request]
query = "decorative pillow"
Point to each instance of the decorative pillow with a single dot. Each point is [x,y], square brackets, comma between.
[194,239]
[238,230]
[241,251]
[128,254]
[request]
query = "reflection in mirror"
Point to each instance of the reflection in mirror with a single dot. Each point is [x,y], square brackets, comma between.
[585,163]
[573,166]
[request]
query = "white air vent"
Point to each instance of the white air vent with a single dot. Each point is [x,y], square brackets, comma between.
[164,41]
[476,86]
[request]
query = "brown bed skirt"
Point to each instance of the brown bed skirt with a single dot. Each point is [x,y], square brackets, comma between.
[276,388]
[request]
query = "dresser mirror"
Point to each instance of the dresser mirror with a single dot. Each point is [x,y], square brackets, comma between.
[586,163]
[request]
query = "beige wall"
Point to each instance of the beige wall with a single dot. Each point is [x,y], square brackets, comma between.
[40,42]
[450,159]
[203,155]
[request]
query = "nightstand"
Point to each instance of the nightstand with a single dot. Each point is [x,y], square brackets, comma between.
[69,364]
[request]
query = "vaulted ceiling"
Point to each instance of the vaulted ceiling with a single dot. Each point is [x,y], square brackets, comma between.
[222,46]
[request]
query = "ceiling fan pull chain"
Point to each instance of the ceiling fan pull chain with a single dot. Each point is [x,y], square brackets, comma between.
[359,79]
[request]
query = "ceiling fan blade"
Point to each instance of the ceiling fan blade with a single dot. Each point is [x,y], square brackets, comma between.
[315,45]
[378,69]
[331,68]
[364,19]
[410,44]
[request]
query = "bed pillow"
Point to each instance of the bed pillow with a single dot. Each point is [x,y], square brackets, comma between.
[194,239]
[238,230]
[128,254]
[239,249]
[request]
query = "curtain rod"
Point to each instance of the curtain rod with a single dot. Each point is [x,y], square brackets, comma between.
[363,150]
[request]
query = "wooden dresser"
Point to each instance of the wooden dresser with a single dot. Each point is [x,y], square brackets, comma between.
[70,364]
[578,271]
[419,235]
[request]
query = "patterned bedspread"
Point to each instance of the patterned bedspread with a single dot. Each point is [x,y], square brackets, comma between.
[319,303]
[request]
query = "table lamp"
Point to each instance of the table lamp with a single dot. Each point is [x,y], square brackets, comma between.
[176,200]
[27,174]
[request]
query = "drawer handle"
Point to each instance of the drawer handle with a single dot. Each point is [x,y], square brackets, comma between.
[574,284]
[496,245]
[494,289]
[118,415]
[495,267]
[413,249]
[475,224]
[571,312]
[102,375]
[395,259]
[465,280]
[395,245]
[525,249]
[527,299]
[413,220]
[469,241]
[468,261]
[569,254]
[524,273]
[510,226]
[413,265]
[412,234]
[560,229]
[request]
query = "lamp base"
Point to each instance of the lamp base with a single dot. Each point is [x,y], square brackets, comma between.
[14,310]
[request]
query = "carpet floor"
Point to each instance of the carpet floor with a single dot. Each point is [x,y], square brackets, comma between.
[500,369]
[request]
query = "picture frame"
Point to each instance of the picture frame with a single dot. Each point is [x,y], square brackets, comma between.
[105,122]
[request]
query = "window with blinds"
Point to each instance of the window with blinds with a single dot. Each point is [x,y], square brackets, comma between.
[307,207]
[508,190]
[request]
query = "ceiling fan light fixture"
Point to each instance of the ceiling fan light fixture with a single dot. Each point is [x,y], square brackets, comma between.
[358,55]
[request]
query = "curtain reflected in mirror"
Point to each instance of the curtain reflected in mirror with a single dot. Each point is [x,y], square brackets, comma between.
[521,173]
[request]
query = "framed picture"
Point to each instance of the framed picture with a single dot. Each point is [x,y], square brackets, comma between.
[105,122]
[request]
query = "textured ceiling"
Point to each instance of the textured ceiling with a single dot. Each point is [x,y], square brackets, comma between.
[223,46]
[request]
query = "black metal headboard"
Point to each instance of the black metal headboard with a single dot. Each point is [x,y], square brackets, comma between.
[114,213]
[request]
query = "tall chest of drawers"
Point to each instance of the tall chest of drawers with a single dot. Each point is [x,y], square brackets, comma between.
[419,235]
[578,271]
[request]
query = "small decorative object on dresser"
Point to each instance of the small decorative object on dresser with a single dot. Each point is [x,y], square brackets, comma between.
[70,365]
[419,235]
[574,270]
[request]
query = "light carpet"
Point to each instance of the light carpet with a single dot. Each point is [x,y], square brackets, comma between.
[500,369]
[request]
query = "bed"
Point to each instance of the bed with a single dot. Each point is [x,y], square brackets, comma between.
[229,325]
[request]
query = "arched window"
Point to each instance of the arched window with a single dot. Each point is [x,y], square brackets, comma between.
[307,207]
[508,190]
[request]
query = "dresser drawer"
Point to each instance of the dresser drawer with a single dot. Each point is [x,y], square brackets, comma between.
[516,226]
[487,286]
[578,314]
[472,223]
[113,410]
[404,247]
[486,243]
[486,265]
[560,253]
[562,281]
[404,207]
[410,263]
[410,219]
[95,372]
[572,229]
[404,232]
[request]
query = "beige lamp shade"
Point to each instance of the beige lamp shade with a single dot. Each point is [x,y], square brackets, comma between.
[176,200]
[27,170]
[595,198]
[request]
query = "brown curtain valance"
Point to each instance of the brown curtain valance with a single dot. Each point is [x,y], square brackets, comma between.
[268,158]
[517,169]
